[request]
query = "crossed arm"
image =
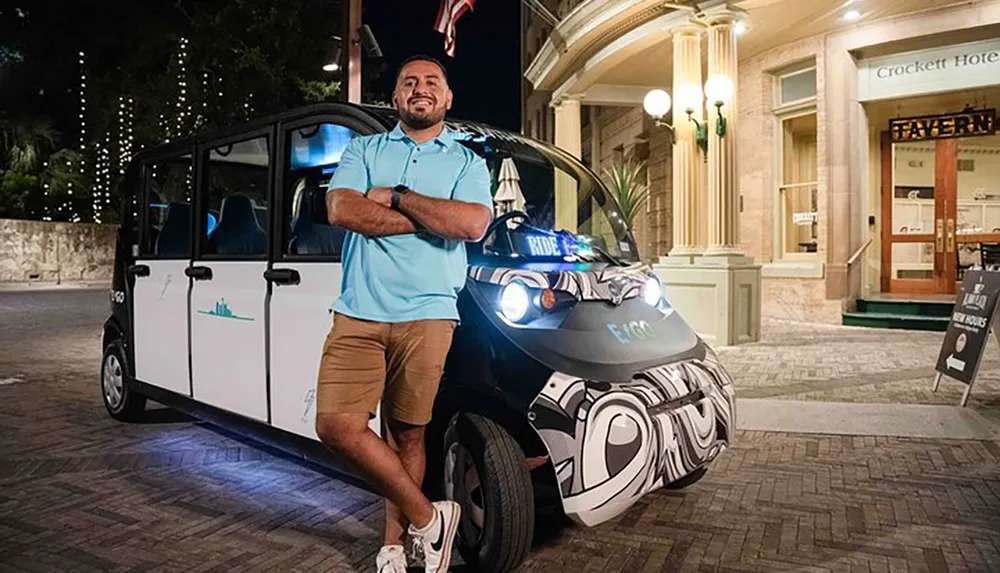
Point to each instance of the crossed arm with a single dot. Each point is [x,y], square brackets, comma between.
[372,216]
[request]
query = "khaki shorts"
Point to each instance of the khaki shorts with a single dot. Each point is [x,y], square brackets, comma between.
[398,364]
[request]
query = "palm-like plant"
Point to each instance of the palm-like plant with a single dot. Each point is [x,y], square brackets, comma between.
[627,182]
[25,142]
[61,173]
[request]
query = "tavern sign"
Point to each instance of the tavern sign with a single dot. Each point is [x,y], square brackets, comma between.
[967,123]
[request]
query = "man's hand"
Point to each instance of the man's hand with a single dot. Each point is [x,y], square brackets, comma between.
[381,195]
[350,209]
[447,218]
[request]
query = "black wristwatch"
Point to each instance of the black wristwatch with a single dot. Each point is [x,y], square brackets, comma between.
[397,192]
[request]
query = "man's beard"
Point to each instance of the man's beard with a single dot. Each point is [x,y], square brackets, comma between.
[422,121]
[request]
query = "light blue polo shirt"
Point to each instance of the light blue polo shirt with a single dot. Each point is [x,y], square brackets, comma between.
[407,277]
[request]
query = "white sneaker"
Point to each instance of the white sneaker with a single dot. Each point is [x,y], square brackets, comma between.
[391,559]
[439,537]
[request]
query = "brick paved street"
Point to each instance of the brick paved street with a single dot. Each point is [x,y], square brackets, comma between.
[80,492]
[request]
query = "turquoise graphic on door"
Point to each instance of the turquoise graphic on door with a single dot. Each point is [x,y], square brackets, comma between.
[222,310]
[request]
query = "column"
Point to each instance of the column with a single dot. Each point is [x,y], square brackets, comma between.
[687,181]
[723,193]
[569,138]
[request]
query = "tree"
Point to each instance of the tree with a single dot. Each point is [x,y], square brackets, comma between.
[26,141]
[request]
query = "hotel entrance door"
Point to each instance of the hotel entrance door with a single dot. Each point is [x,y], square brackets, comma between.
[940,202]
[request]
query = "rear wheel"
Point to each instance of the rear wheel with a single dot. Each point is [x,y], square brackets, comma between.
[484,471]
[122,402]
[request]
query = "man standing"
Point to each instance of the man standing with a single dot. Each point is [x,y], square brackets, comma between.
[410,199]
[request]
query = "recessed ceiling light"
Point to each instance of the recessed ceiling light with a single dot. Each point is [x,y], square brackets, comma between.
[852,15]
[740,28]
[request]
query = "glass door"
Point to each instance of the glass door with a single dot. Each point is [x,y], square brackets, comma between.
[919,187]
[978,212]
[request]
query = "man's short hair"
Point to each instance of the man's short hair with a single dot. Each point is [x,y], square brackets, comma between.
[422,58]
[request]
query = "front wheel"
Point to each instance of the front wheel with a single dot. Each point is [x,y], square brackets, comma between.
[122,402]
[484,471]
[688,480]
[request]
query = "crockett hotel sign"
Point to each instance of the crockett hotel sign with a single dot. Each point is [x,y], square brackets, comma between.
[951,68]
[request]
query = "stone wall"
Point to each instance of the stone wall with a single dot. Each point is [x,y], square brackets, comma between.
[789,297]
[37,251]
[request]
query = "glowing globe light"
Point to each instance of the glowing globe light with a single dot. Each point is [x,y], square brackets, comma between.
[656,103]
[719,89]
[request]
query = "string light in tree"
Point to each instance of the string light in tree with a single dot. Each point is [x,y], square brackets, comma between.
[69,205]
[125,140]
[102,187]
[183,107]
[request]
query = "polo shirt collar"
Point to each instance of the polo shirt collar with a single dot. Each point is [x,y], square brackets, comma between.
[444,139]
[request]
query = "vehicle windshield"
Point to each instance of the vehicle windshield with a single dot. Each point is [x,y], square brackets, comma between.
[570,215]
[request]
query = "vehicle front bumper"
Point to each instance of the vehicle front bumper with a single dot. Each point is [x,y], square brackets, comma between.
[611,443]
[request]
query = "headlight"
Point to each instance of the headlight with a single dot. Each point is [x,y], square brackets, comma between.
[514,301]
[652,291]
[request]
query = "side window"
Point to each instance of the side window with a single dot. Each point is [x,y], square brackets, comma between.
[314,153]
[168,207]
[236,199]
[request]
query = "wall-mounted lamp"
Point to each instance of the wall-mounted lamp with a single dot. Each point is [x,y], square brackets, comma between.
[689,99]
[719,91]
[657,104]
[333,61]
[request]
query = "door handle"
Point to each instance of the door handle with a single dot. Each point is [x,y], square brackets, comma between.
[199,273]
[282,276]
[939,236]
[138,270]
[950,244]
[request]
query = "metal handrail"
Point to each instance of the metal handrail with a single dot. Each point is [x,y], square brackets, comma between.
[857,253]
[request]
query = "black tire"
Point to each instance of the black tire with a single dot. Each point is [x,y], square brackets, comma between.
[505,494]
[688,480]
[126,405]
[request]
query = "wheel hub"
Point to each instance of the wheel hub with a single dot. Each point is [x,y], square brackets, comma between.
[464,486]
[112,381]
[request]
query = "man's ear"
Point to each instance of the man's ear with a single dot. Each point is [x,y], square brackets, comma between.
[448,99]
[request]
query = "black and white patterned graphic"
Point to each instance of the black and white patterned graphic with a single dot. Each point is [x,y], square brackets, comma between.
[611,443]
[614,284]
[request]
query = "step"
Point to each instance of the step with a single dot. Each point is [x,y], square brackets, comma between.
[896,321]
[906,307]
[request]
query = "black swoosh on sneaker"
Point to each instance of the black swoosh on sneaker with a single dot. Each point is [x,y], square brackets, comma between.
[439,543]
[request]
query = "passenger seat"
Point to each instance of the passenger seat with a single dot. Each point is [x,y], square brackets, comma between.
[311,234]
[238,232]
[174,239]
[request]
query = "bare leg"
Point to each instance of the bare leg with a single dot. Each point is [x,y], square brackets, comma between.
[350,436]
[408,442]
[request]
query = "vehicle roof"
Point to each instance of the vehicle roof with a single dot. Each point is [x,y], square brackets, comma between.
[385,116]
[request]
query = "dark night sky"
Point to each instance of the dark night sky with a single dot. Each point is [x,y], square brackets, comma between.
[485,73]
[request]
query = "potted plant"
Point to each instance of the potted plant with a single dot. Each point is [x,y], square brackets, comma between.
[626,179]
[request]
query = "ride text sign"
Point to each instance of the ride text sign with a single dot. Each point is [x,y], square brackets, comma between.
[967,123]
[937,70]
[970,325]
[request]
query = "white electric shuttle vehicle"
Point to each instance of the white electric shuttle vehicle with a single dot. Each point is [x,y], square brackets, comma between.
[570,377]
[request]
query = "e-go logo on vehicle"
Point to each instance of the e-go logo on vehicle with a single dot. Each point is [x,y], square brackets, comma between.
[117,296]
[632,331]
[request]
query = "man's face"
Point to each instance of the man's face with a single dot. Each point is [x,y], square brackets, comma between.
[422,96]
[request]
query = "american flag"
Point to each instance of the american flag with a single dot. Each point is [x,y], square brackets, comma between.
[448,15]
